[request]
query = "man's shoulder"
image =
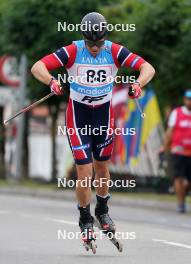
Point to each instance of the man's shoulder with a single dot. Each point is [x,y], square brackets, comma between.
[115,44]
[78,43]
[179,109]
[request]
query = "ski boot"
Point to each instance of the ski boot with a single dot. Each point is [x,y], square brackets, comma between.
[86,227]
[104,222]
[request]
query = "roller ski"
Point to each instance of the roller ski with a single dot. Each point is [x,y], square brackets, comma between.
[87,231]
[103,221]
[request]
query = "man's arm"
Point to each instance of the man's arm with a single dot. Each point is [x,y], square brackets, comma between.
[62,57]
[40,72]
[125,58]
[146,74]
[169,132]
[167,139]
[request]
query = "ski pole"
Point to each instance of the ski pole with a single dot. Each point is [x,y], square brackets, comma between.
[28,108]
[131,93]
[143,115]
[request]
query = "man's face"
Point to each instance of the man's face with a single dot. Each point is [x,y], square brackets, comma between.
[187,102]
[94,47]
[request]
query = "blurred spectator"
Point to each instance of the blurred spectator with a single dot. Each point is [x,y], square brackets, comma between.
[177,141]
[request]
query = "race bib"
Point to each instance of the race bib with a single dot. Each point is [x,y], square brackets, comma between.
[94,76]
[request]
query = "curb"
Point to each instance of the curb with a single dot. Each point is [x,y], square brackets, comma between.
[69,195]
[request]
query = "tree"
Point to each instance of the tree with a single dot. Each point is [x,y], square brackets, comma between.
[30,27]
[162,37]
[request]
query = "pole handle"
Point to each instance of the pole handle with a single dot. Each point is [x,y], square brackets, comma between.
[131,91]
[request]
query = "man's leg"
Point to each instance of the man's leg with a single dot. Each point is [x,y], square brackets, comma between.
[102,176]
[181,190]
[79,116]
[177,163]
[83,193]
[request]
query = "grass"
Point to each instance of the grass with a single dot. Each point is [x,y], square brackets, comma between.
[131,195]
[29,184]
[148,196]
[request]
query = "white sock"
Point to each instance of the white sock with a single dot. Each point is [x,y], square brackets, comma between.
[103,196]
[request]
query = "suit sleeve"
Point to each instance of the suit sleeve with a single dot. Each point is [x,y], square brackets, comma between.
[63,57]
[125,58]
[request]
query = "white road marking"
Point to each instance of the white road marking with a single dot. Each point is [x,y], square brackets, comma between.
[60,221]
[172,243]
[158,240]
[178,244]
[48,219]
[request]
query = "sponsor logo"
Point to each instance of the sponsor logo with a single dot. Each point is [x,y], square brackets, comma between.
[94,91]
[94,60]
[85,146]
[185,123]
[106,143]
[91,99]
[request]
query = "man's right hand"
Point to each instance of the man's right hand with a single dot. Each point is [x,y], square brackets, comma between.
[56,87]
[134,90]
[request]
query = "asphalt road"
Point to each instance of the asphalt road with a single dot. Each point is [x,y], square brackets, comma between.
[32,231]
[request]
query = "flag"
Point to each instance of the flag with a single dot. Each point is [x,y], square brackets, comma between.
[137,152]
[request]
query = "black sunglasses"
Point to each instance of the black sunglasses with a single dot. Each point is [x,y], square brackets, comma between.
[91,43]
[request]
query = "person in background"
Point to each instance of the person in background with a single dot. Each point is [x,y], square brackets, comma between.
[177,141]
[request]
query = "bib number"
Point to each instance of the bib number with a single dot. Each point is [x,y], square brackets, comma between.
[95,77]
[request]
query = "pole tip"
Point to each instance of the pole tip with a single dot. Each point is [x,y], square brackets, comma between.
[143,115]
[5,122]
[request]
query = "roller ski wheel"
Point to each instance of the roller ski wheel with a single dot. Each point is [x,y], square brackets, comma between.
[106,225]
[88,236]
[117,243]
[90,245]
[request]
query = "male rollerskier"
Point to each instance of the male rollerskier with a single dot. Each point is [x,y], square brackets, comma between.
[90,104]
